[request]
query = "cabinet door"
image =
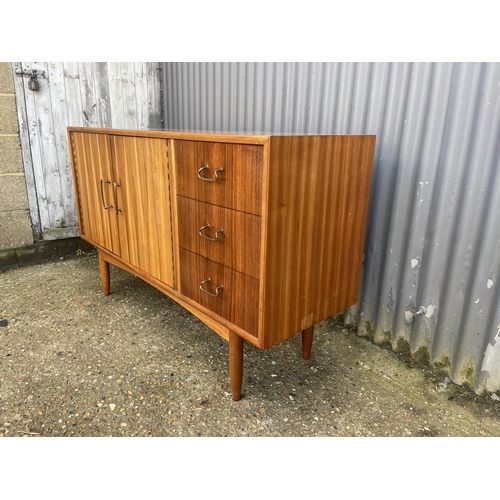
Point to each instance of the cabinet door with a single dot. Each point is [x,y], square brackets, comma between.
[143,198]
[94,189]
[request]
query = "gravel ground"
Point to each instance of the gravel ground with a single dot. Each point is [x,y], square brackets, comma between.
[76,363]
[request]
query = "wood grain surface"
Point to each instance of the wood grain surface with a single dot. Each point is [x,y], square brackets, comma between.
[292,208]
[238,246]
[228,138]
[237,302]
[134,171]
[316,207]
[144,200]
[91,159]
[240,183]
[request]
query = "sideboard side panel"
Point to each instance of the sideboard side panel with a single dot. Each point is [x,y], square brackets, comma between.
[317,206]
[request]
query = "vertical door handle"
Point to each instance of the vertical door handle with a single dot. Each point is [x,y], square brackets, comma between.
[116,185]
[102,194]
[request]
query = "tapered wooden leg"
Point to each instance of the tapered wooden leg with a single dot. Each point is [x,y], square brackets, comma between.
[104,270]
[307,340]
[235,364]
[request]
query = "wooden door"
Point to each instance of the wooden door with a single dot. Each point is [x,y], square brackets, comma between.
[94,187]
[86,94]
[143,201]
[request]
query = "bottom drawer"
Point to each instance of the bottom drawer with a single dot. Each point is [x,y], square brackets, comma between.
[229,294]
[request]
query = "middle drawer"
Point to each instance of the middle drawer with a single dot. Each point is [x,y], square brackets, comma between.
[226,236]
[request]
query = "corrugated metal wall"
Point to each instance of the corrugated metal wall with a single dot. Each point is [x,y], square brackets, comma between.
[431,275]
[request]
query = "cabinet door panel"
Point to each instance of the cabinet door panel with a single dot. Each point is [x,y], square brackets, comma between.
[94,186]
[143,200]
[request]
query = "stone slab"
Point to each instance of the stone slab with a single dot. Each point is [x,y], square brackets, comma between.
[15,229]
[8,115]
[10,155]
[6,78]
[13,194]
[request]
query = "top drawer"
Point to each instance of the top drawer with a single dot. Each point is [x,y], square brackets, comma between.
[229,175]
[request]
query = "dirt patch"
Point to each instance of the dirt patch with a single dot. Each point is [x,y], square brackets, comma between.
[76,363]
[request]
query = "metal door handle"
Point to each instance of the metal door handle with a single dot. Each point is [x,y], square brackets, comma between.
[207,226]
[115,194]
[216,294]
[102,195]
[220,169]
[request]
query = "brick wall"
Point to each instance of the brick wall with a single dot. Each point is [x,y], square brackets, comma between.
[15,224]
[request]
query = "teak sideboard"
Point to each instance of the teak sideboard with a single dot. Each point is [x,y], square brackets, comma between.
[259,236]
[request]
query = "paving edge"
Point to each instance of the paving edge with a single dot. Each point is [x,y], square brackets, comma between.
[42,252]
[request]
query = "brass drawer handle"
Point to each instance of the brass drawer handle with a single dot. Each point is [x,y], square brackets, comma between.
[220,169]
[102,195]
[207,226]
[216,294]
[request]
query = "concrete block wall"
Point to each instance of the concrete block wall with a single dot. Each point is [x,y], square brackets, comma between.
[15,222]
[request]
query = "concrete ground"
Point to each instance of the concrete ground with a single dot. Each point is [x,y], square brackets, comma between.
[76,363]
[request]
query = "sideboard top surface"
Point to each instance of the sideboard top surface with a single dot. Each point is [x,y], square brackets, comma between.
[236,137]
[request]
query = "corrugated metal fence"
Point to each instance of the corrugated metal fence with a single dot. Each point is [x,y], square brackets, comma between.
[431,276]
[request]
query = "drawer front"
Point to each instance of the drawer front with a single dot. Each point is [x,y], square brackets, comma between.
[229,294]
[236,235]
[228,175]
